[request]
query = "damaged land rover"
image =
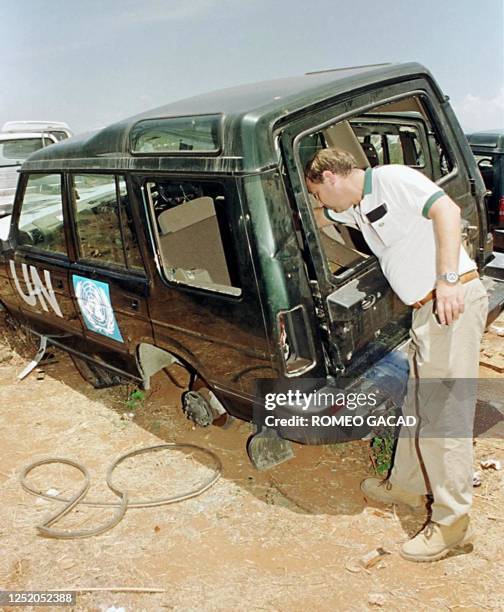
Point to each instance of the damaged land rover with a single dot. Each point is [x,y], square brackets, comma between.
[186,235]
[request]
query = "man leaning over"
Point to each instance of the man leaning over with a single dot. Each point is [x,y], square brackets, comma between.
[413,228]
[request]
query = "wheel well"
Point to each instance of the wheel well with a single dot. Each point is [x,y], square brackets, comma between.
[152,359]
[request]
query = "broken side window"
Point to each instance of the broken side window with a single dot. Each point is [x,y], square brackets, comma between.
[193,234]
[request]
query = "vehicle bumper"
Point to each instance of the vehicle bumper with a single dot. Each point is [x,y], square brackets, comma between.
[327,423]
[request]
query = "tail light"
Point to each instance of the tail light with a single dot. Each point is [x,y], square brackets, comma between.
[295,341]
[500,211]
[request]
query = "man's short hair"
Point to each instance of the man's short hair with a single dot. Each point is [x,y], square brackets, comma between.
[335,160]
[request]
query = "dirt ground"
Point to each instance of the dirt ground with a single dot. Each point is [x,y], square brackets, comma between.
[284,540]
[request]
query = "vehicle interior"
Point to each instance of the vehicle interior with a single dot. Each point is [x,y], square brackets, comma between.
[396,133]
[191,232]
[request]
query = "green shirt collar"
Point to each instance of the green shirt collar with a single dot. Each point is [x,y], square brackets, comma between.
[368,182]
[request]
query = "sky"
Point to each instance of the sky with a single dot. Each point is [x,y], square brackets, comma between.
[93,62]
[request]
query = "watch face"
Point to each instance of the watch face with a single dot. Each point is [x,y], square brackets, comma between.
[452,277]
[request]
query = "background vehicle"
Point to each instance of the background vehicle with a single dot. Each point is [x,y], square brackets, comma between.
[488,149]
[58,129]
[18,140]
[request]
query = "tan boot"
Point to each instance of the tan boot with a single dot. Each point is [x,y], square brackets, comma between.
[384,491]
[435,541]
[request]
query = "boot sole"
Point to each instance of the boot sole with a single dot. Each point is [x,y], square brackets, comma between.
[467,539]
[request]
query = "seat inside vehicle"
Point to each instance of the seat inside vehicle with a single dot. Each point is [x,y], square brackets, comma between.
[195,223]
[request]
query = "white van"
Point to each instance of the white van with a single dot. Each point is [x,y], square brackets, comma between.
[18,140]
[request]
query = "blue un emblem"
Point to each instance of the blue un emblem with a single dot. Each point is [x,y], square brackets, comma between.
[94,302]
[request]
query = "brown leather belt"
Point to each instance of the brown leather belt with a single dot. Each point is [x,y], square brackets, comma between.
[464,278]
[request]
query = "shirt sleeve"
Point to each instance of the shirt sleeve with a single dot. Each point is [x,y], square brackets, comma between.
[414,189]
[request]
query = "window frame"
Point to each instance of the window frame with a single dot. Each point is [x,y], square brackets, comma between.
[183,152]
[18,207]
[325,116]
[73,225]
[398,124]
[16,161]
[230,192]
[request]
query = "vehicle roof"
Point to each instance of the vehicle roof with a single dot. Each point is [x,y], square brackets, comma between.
[490,139]
[249,113]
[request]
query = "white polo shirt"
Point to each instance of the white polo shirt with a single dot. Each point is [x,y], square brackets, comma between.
[392,217]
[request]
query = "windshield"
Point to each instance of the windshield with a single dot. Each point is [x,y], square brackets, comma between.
[14,152]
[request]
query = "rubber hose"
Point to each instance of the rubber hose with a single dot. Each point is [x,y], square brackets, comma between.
[124,504]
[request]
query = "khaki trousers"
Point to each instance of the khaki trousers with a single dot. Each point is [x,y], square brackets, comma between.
[436,456]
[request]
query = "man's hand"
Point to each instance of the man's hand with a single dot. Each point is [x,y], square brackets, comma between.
[449,302]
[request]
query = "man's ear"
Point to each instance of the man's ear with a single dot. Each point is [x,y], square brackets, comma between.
[328,176]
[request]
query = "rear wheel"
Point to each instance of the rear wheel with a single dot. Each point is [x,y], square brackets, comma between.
[197,409]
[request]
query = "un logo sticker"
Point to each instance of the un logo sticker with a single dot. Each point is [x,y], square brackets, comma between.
[94,302]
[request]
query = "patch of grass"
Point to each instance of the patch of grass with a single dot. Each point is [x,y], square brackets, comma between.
[381,453]
[135,399]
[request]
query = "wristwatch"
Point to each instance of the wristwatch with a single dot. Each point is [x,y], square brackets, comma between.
[452,278]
